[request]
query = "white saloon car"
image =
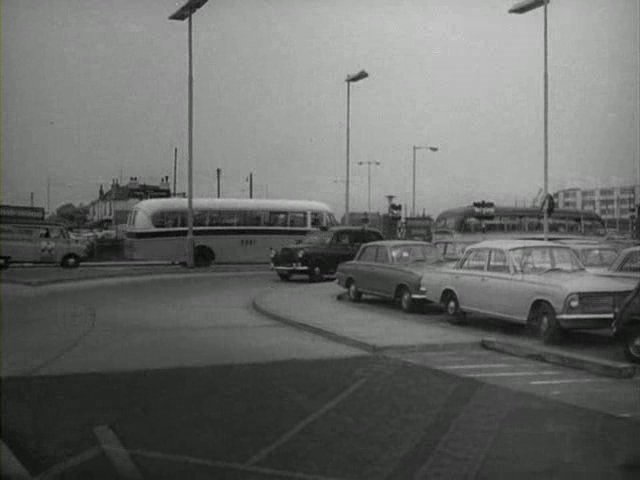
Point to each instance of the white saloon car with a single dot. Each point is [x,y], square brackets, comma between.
[533,282]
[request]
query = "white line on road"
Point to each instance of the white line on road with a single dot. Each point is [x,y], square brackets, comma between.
[513,374]
[116,453]
[315,415]
[476,366]
[568,380]
[58,469]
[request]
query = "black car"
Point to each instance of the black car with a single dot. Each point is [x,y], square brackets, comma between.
[319,252]
[626,325]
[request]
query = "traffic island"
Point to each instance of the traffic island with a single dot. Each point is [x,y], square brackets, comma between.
[557,356]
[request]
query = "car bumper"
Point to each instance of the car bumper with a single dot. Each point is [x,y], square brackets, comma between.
[585,320]
[290,268]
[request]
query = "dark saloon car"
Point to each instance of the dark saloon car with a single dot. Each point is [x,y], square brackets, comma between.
[390,269]
[320,252]
[626,325]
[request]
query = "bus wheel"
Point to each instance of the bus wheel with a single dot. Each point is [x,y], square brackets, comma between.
[70,261]
[203,256]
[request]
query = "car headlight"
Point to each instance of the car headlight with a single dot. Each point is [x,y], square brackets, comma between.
[573,301]
[300,253]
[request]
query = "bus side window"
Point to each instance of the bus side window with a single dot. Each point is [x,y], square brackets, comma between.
[277,219]
[316,219]
[158,220]
[298,219]
[200,218]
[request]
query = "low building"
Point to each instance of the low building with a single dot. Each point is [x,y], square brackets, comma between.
[111,208]
[616,205]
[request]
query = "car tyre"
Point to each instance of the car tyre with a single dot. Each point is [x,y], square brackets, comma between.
[545,324]
[631,345]
[315,273]
[70,261]
[452,308]
[406,302]
[354,294]
[284,276]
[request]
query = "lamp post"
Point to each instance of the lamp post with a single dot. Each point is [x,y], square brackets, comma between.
[185,13]
[368,164]
[356,77]
[520,8]
[415,148]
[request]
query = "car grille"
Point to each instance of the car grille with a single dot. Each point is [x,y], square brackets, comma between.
[601,302]
[288,255]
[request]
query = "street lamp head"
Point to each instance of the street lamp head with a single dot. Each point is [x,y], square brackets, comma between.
[356,77]
[433,149]
[188,9]
[527,5]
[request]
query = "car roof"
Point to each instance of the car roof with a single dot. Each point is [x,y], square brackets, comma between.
[508,244]
[398,243]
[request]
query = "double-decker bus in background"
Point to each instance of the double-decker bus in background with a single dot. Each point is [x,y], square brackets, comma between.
[457,228]
[224,230]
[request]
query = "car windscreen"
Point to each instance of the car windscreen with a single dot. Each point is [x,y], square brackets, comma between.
[405,254]
[317,238]
[544,259]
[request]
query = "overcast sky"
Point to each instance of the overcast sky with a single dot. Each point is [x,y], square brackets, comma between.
[96,89]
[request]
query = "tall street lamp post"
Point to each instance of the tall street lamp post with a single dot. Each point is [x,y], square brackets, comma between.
[368,164]
[415,148]
[356,77]
[520,8]
[185,13]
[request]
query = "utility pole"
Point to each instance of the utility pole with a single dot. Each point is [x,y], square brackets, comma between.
[31,199]
[218,173]
[251,185]
[48,195]
[175,169]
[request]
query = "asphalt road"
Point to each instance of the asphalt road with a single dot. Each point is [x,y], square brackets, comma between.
[180,378]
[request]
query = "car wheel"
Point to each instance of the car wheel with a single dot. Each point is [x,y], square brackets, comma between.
[632,346]
[70,261]
[406,302]
[315,273]
[354,293]
[545,324]
[286,276]
[452,309]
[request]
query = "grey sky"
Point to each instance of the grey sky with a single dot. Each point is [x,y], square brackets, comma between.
[93,88]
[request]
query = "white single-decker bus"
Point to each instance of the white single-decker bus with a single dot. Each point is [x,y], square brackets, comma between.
[225,230]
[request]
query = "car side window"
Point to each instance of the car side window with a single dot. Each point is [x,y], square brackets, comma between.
[498,262]
[368,254]
[383,255]
[631,263]
[342,238]
[476,260]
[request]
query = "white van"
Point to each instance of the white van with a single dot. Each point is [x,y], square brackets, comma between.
[39,242]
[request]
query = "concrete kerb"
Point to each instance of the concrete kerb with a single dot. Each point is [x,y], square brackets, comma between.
[329,335]
[558,357]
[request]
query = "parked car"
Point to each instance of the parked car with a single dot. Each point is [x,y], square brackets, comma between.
[596,257]
[542,284]
[452,250]
[626,325]
[626,264]
[390,269]
[320,252]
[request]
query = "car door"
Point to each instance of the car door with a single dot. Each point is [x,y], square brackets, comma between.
[382,272]
[362,268]
[468,279]
[498,281]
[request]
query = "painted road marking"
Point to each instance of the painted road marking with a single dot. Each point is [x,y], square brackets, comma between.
[10,466]
[116,453]
[228,465]
[311,418]
[486,365]
[568,380]
[57,470]
[513,374]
